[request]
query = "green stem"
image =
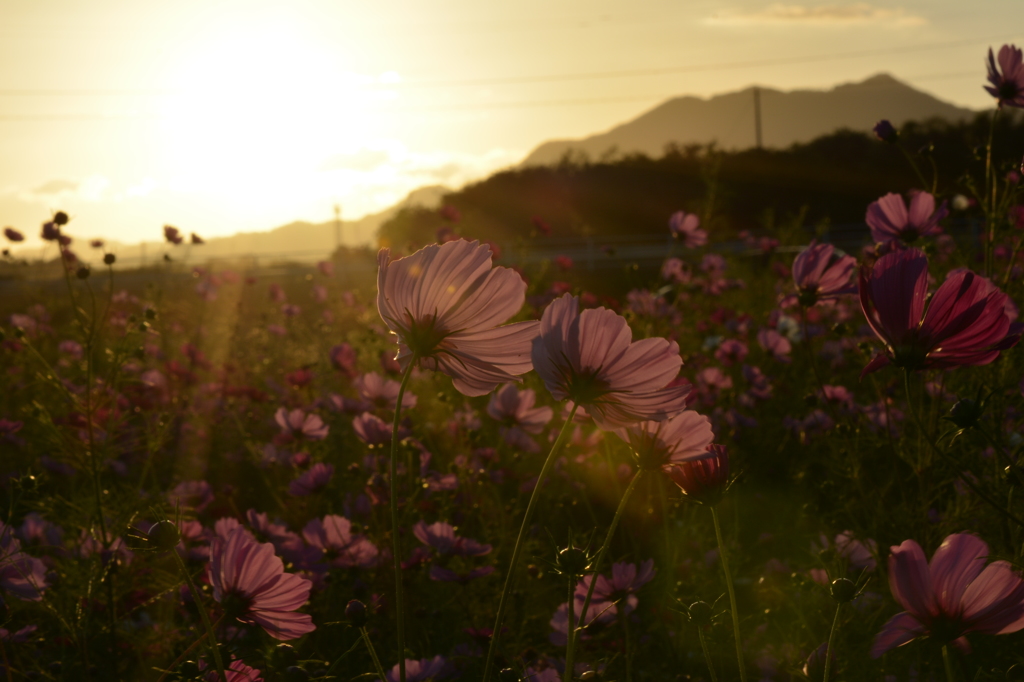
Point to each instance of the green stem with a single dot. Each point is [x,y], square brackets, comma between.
[186,652]
[948,664]
[396,548]
[373,654]
[707,654]
[198,598]
[990,196]
[732,596]
[942,453]
[831,641]
[596,566]
[503,602]
[571,626]
[913,164]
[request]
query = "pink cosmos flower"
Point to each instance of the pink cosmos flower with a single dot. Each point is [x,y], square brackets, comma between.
[822,275]
[191,494]
[21,575]
[339,546]
[777,345]
[250,583]
[890,220]
[13,235]
[731,352]
[381,392]
[296,424]
[952,596]
[590,358]
[511,405]
[344,358]
[686,226]
[313,479]
[371,429]
[675,270]
[441,536]
[235,670]
[445,304]
[661,444]
[703,479]
[423,670]
[621,588]
[173,235]
[968,321]
[1007,87]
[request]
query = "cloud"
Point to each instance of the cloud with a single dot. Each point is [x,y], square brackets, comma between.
[364,159]
[860,13]
[55,187]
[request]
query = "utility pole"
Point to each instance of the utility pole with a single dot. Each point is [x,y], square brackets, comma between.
[757,116]
[337,227]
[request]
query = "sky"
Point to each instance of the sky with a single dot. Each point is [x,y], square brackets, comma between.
[220,116]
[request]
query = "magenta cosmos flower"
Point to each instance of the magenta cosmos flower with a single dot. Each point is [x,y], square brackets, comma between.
[889,218]
[590,359]
[820,274]
[1008,86]
[515,410]
[952,596]
[445,304]
[703,479]
[250,583]
[685,436]
[968,321]
[686,226]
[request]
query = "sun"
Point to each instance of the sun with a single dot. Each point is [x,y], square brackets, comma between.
[257,107]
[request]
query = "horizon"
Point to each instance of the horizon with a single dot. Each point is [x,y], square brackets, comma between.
[128,145]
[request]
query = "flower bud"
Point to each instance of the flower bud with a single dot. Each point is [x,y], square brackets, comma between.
[164,536]
[843,590]
[966,413]
[355,612]
[700,613]
[188,670]
[886,132]
[82,273]
[109,259]
[572,561]
[60,218]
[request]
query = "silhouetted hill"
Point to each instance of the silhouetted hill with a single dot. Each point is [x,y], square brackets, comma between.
[786,118]
[833,179]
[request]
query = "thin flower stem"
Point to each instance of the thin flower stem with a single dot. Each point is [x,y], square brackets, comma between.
[990,195]
[569,640]
[707,654]
[1010,465]
[831,643]
[942,453]
[732,596]
[596,566]
[563,436]
[186,652]
[198,598]
[396,548]
[373,653]
[948,664]
[913,164]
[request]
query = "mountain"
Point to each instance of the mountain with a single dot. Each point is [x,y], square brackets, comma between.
[298,241]
[786,118]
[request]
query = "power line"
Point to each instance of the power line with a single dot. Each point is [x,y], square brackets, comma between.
[586,101]
[512,80]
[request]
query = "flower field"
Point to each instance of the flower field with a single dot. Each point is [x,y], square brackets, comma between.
[776,460]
